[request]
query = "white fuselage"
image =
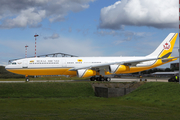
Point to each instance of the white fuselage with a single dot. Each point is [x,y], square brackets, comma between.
[71,62]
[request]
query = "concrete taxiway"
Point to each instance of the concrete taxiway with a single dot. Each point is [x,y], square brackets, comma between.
[137,80]
[112,80]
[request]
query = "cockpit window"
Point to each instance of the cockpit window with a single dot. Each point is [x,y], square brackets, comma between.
[14,63]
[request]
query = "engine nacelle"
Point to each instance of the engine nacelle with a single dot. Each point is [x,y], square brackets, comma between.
[117,69]
[85,73]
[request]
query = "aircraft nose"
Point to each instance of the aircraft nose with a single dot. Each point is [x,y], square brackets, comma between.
[7,67]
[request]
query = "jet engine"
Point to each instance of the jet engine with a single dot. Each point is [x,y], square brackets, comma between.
[85,73]
[117,69]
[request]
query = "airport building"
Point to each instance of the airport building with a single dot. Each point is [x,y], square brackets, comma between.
[165,74]
[174,65]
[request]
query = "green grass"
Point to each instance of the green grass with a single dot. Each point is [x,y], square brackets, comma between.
[45,90]
[156,92]
[77,101]
[82,108]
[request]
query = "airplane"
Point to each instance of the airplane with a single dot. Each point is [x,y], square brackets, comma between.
[97,68]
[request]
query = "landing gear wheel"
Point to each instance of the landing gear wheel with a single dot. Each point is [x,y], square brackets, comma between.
[27,80]
[108,79]
[92,78]
[98,78]
[102,78]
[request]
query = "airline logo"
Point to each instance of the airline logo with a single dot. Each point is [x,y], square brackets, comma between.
[31,61]
[79,60]
[167,46]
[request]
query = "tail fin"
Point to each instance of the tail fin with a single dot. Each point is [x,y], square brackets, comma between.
[164,50]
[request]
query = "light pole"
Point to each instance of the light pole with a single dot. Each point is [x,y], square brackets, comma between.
[26,51]
[36,35]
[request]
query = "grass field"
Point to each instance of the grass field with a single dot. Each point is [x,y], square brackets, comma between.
[77,101]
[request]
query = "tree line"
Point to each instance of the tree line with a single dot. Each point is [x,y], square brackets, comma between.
[158,70]
[6,74]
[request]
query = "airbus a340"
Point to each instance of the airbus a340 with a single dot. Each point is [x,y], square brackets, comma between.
[94,67]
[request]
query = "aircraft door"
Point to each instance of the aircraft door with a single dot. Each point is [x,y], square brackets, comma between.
[64,64]
[25,64]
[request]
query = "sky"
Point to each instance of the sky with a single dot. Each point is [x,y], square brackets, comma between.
[86,27]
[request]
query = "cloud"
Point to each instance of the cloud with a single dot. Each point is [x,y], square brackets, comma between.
[119,37]
[23,13]
[122,33]
[117,42]
[53,36]
[153,13]
[84,31]
[104,33]
[26,17]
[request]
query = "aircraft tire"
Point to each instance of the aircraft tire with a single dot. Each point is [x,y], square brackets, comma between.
[108,79]
[98,79]
[27,80]
[102,79]
[92,78]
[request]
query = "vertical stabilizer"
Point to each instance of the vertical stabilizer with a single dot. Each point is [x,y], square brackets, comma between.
[165,49]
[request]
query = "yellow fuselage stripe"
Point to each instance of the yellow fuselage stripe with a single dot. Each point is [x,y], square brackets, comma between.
[43,71]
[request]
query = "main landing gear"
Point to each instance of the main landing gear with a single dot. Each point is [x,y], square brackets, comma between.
[100,78]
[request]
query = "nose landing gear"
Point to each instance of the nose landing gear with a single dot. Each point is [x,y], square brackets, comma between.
[27,79]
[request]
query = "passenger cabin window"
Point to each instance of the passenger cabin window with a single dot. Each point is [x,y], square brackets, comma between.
[14,63]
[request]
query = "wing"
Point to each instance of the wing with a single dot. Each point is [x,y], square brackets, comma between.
[128,63]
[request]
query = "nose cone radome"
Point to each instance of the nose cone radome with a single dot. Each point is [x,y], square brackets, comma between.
[7,67]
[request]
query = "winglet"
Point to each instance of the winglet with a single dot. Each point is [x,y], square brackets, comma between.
[164,50]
